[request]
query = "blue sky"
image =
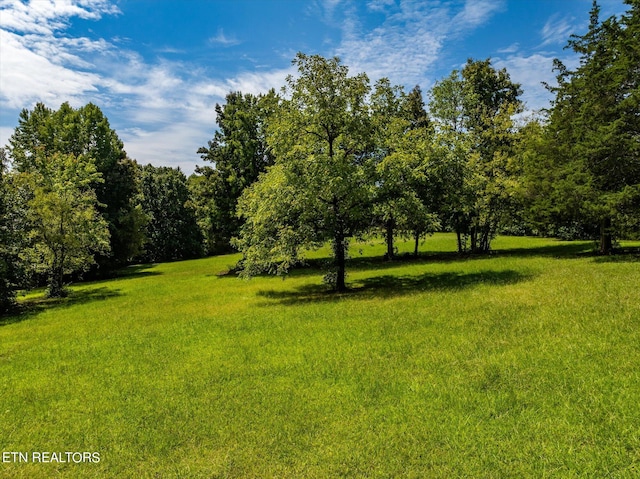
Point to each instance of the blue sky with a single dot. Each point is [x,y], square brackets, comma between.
[157,68]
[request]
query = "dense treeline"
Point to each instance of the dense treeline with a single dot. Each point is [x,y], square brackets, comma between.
[332,158]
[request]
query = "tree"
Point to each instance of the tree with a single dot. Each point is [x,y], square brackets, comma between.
[593,130]
[319,187]
[86,132]
[172,229]
[404,198]
[66,229]
[390,188]
[475,110]
[452,143]
[239,153]
[12,237]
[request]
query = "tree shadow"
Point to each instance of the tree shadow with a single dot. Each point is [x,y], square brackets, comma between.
[31,308]
[315,266]
[579,249]
[621,255]
[136,271]
[389,286]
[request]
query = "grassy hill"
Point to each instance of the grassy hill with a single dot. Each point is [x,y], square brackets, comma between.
[521,364]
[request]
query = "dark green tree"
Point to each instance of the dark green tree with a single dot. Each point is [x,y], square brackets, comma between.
[172,229]
[593,132]
[239,153]
[12,237]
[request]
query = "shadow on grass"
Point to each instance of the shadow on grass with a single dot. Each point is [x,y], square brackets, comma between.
[317,266]
[30,308]
[136,271]
[578,249]
[389,286]
[621,255]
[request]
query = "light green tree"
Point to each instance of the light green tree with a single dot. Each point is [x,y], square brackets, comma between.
[404,184]
[474,111]
[86,132]
[66,229]
[319,188]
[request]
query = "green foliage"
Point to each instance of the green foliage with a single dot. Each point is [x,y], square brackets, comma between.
[66,229]
[172,230]
[593,130]
[86,132]
[320,138]
[474,111]
[404,185]
[239,153]
[12,241]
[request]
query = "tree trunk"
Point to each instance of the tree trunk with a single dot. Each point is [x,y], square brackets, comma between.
[56,283]
[340,254]
[417,243]
[459,235]
[474,240]
[389,234]
[606,240]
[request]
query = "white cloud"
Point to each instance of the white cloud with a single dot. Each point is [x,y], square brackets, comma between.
[475,13]
[223,39]
[510,49]
[172,145]
[258,82]
[531,71]
[47,16]
[27,76]
[408,42]
[557,30]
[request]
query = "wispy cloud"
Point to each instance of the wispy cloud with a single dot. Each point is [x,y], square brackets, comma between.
[409,41]
[223,39]
[557,30]
[47,16]
[476,13]
[510,49]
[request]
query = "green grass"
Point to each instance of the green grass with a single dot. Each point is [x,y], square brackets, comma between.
[520,364]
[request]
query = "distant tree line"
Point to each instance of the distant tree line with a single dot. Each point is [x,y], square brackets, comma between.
[331,158]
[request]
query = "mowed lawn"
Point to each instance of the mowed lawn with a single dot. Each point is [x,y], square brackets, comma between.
[525,363]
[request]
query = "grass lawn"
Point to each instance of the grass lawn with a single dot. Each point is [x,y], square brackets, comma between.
[525,363]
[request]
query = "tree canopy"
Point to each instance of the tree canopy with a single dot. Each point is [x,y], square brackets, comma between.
[593,132]
[86,132]
[65,228]
[320,137]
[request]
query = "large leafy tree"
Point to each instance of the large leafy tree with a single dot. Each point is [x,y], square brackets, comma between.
[65,228]
[404,188]
[172,229]
[12,236]
[86,132]
[474,109]
[319,188]
[239,153]
[390,188]
[592,142]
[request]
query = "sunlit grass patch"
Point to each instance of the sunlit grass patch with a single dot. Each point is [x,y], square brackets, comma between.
[518,364]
